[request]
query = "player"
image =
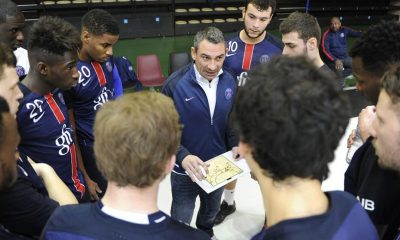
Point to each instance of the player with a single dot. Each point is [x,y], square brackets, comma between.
[96,86]
[136,139]
[43,122]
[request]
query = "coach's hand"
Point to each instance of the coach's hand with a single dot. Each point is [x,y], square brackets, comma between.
[195,167]
[339,64]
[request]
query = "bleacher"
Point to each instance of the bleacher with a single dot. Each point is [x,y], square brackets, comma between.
[153,18]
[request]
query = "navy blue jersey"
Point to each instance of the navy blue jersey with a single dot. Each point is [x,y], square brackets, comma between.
[25,170]
[127,74]
[393,229]
[88,221]
[345,219]
[242,57]
[46,135]
[95,87]
[24,210]
[6,235]
[377,188]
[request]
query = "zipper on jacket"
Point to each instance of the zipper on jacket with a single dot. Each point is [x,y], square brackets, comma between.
[212,122]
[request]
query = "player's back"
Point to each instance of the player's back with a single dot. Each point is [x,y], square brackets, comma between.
[91,222]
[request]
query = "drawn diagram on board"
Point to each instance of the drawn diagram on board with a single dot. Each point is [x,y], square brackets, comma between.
[221,169]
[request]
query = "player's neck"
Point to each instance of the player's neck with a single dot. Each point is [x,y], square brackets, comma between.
[316,59]
[131,199]
[246,39]
[294,198]
[83,55]
[36,84]
[318,62]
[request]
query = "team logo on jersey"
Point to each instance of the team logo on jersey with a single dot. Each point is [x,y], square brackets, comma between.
[109,66]
[20,71]
[342,35]
[264,58]
[61,97]
[188,99]
[36,110]
[104,97]
[64,141]
[228,93]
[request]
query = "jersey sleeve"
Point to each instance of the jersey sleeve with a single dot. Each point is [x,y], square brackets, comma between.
[352,33]
[118,90]
[326,47]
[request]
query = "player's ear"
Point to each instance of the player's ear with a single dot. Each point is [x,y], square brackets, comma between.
[170,164]
[193,52]
[85,37]
[312,43]
[42,68]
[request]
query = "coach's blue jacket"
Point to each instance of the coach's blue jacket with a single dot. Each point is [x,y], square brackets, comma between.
[334,44]
[202,135]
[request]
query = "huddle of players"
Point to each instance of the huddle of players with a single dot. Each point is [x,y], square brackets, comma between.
[76,70]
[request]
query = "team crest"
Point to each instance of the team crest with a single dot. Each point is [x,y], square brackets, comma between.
[20,71]
[228,93]
[109,66]
[264,58]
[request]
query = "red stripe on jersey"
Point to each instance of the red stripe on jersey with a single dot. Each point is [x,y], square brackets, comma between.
[248,55]
[100,74]
[55,108]
[77,183]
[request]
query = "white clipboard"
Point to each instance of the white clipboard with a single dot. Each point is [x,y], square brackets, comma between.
[222,170]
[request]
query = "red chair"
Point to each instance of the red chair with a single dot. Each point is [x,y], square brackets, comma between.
[149,70]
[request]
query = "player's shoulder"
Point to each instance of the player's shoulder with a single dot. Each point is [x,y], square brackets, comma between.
[234,36]
[62,216]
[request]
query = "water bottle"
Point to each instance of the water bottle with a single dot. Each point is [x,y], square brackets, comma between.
[357,142]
